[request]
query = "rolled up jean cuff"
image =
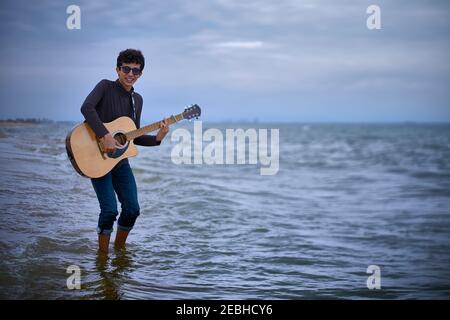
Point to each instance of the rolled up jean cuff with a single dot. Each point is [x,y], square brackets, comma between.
[119,227]
[104,231]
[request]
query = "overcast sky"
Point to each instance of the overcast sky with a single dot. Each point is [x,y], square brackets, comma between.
[286,60]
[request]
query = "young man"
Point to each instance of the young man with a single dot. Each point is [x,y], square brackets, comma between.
[108,101]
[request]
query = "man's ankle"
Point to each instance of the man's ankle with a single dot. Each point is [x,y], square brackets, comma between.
[121,238]
[103,242]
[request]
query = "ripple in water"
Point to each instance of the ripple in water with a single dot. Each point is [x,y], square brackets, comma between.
[346,197]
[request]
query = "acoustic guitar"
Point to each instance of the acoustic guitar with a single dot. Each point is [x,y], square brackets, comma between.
[86,152]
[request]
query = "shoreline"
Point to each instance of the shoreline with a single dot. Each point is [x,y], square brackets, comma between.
[10,124]
[14,124]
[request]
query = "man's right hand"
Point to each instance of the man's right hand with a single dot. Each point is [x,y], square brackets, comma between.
[109,143]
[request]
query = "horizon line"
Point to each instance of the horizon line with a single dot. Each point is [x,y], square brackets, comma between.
[243,121]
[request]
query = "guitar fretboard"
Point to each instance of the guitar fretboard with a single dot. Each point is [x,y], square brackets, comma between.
[152,127]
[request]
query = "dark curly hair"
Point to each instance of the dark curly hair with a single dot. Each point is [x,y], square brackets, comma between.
[131,56]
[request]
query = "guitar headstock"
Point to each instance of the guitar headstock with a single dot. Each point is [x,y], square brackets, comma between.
[191,112]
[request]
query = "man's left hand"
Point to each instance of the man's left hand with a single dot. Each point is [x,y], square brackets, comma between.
[163,130]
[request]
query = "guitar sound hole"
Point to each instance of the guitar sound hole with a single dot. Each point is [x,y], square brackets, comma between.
[121,138]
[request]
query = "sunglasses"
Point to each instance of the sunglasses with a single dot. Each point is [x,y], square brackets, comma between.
[126,70]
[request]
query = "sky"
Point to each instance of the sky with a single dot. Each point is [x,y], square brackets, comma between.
[283,61]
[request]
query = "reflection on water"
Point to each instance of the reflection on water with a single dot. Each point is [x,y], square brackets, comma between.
[346,197]
[112,269]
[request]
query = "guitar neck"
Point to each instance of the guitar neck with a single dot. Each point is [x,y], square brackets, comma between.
[152,127]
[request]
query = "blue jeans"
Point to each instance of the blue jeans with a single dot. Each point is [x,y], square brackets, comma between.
[120,181]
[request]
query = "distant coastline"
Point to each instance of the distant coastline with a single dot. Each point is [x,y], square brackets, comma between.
[18,122]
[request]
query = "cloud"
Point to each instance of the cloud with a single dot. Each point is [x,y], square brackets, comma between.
[239,45]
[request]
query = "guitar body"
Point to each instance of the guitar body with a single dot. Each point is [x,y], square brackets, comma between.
[85,153]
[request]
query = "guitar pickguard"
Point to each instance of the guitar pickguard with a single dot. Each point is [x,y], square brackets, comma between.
[119,152]
[121,138]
